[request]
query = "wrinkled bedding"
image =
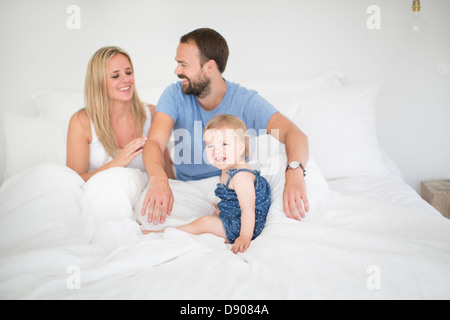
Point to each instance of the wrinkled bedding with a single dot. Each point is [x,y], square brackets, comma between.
[61,238]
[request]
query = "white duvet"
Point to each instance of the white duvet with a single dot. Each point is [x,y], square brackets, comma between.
[63,239]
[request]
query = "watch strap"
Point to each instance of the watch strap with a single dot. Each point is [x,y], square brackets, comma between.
[300,166]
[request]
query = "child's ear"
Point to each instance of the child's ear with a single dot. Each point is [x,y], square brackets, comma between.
[242,148]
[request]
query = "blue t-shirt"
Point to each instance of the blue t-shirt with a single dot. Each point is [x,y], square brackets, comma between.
[190,120]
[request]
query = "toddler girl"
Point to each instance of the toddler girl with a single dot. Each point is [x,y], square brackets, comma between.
[245,195]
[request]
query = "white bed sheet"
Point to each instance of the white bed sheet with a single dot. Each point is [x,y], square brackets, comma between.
[62,239]
[389,189]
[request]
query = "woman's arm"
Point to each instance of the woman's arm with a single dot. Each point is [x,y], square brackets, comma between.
[78,152]
[78,139]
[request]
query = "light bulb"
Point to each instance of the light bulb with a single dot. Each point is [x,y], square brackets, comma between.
[418,24]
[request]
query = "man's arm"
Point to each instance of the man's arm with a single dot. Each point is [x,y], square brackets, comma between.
[295,200]
[159,198]
[167,159]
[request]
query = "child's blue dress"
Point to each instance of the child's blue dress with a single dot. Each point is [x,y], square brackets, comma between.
[230,211]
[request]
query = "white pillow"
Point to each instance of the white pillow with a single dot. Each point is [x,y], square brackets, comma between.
[341,127]
[57,107]
[332,78]
[282,94]
[340,122]
[62,104]
[30,141]
[58,104]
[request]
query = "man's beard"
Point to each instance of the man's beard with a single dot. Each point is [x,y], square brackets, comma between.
[200,89]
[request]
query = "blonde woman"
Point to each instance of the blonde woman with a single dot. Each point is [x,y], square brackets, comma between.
[112,129]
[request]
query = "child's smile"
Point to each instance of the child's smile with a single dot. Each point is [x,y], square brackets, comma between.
[223,148]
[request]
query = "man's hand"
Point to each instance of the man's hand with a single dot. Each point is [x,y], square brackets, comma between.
[295,200]
[159,200]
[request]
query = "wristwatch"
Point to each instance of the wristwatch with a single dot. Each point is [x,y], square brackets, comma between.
[294,165]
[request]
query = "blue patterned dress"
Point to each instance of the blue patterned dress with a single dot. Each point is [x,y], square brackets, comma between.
[230,210]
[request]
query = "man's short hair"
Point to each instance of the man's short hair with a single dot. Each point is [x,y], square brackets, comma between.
[211,44]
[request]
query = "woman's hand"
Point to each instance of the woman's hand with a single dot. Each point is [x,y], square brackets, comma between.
[129,152]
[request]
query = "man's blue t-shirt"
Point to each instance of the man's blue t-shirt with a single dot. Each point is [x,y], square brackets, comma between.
[190,120]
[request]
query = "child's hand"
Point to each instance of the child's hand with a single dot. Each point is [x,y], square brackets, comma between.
[241,244]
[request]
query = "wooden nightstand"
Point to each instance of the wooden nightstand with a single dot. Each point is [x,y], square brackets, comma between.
[437,193]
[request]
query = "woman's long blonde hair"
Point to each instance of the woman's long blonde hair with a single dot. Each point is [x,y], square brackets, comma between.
[97,101]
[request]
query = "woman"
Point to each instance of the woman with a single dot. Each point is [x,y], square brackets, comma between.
[112,130]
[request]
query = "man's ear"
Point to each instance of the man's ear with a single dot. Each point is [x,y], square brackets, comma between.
[210,65]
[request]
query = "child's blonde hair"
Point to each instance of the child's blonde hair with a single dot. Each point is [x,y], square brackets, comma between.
[228,120]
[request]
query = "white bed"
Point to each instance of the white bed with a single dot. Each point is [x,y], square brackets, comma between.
[368,235]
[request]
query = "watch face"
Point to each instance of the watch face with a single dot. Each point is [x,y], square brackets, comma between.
[294,164]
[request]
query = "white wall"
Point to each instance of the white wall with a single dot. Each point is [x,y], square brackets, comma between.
[282,39]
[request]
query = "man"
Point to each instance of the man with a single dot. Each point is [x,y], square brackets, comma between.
[188,105]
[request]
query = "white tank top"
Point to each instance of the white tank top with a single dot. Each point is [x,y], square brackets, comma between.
[99,156]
